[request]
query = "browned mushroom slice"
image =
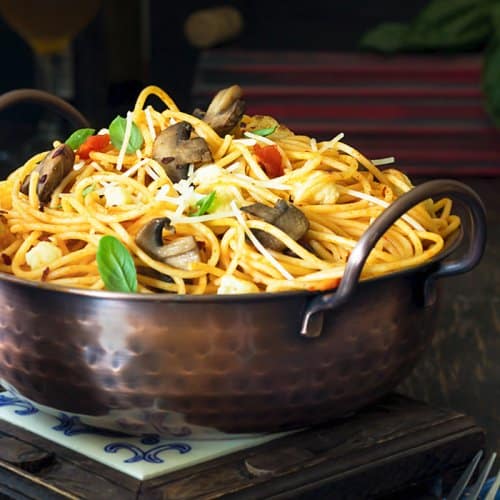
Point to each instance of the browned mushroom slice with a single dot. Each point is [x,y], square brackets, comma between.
[174,150]
[225,110]
[153,273]
[283,215]
[178,253]
[52,170]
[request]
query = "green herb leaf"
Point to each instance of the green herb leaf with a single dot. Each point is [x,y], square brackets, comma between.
[450,25]
[117,134]
[88,190]
[115,265]
[204,204]
[265,131]
[438,12]
[78,137]
[387,38]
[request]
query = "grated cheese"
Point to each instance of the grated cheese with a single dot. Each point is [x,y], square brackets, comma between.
[126,139]
[96,166]
[258,245]
[245,142]
[384,161]
[259,138]
[233,167]
[331,143]
[134,168]
[149,121]
[78,165]
[152,173]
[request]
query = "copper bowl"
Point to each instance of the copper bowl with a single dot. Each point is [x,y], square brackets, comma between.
[234,364]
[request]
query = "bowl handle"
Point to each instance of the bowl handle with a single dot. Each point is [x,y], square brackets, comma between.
[50,101]
[475,223]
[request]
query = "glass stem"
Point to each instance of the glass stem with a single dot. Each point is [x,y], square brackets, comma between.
[54,73]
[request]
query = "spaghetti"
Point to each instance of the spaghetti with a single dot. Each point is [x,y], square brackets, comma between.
[258,164]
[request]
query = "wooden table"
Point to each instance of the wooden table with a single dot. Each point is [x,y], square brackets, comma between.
[396,447]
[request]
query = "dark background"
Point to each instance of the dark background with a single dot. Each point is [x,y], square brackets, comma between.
[126,47]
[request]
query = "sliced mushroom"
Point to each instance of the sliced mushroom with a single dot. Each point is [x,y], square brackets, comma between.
[174,150]
[283,215]
[178,253]
[153,273]
[225,110]
[52,170]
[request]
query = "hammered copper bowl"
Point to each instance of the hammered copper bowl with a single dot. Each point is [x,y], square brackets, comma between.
[237,364]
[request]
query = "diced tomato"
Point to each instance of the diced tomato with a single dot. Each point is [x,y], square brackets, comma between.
[93,143]
[270,159]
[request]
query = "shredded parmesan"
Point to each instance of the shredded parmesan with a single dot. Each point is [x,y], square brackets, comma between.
[134,168]
[245,142]
[78,165]
[258,245]
[384,161]
[152,173]
[259,138]
[126,139]
[233,167]
[382,203]
[149,121]
[96,166]
[331,143]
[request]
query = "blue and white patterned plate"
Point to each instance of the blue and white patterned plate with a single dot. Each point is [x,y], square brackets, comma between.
[142,457]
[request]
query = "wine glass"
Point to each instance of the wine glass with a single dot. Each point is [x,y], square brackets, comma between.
[49,26]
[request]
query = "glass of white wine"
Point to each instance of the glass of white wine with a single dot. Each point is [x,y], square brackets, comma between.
[49,27]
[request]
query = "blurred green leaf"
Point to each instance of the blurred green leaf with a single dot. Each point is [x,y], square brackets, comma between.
[438,12]
[387,38]
[450,25]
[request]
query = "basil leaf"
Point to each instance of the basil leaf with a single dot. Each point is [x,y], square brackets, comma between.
[265,131]
[78,137]
[117,134]
[88,190]
[115,265]
[204,204]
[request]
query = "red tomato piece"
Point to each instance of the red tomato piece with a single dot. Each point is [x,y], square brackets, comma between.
[93,143]
[270,159]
